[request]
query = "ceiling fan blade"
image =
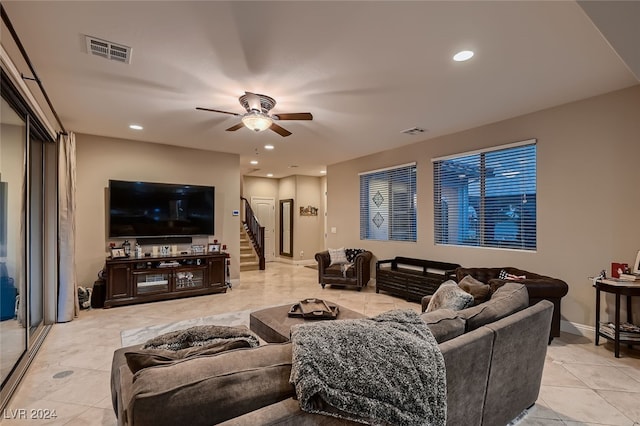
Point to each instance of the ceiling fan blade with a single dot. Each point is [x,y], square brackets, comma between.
[217,110]
[294,116]
[236,127]
[254,101]
[280,130]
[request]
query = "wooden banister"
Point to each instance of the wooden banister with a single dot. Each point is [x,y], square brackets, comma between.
[255,232]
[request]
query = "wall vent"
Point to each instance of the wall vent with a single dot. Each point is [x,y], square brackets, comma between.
[413,131]
[108,50]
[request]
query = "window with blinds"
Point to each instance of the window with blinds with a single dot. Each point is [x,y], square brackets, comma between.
[487,198]
[388,204]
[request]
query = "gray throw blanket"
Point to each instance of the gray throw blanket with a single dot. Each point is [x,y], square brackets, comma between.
[383,370]
[201,336]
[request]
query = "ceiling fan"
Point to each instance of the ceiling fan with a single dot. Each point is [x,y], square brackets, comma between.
[257,117]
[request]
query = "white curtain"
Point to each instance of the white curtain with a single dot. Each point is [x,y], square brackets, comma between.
[67,284]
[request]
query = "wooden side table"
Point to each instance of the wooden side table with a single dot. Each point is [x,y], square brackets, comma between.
[628,289]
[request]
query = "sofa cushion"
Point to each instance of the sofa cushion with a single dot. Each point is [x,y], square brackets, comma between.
[211,389]
[342,270]
[189,343]
[449,296]
[444,324]
[338,256]
[511,297]
[479,290]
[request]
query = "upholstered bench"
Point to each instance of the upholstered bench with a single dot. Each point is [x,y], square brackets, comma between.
[412,278]
[273,325]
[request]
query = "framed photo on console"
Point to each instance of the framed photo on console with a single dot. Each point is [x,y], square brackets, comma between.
[117,253]
[213,248]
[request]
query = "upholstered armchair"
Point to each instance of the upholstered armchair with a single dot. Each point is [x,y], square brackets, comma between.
[538,286]
[356,274]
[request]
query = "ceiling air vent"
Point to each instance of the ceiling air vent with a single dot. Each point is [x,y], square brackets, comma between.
[108,50]
[413,131]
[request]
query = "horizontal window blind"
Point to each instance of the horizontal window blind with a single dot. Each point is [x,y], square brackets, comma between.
[487,198]
[388,204]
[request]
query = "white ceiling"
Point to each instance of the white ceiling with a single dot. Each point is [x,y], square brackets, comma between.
[365,70]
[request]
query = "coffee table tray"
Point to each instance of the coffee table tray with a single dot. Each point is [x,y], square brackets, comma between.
[313,309]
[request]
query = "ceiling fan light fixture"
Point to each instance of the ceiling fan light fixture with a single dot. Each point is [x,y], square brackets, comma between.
[463,55]
[257,121]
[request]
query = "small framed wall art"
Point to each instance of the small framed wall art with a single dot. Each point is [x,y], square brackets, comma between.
[308,211]
[213,248]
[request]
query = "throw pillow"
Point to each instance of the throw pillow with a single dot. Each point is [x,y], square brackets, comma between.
[504,275]
[450,296]
[190,343]
[338,256]
[352,253]
[511,297]
[479,290]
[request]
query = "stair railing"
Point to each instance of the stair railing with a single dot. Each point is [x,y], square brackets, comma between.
[255,232]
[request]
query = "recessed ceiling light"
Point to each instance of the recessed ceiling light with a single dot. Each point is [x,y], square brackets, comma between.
[268,147]
[323,171]
[269,174]
[462,56]
[136,127]
[254,162]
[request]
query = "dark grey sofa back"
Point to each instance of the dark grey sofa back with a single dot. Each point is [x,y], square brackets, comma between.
[514,381]
[468,362]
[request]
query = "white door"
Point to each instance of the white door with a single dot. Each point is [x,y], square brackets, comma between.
[265,211]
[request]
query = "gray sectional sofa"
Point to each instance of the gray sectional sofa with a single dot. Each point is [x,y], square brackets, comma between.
[494,355]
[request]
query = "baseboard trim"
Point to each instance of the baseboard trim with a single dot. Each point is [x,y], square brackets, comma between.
[290,261]
[584,330]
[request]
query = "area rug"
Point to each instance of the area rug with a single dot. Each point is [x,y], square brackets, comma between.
[136,336]
[520,418]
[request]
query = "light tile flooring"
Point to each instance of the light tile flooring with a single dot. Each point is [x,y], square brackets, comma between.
[582,384]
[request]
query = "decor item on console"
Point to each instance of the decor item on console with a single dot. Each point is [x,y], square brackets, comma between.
[117,253]
[540,287]
[347,267]
[412,278]
[482,354]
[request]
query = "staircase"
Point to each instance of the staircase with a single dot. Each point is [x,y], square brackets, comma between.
[253,233]
[249,261]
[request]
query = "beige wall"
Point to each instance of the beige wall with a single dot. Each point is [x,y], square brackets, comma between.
[304,190]
[100,159]
[307,234]
[588,153]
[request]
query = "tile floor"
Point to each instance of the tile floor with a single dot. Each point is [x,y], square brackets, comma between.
[582,384]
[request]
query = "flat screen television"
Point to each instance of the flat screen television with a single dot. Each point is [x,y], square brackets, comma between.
[145,209]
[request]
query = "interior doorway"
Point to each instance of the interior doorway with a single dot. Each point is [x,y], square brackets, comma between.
[264,208]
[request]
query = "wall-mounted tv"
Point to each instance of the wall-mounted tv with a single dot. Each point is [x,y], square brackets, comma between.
[145,209]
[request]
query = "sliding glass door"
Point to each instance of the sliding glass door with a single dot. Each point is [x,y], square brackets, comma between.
[27,236]
[13,276]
